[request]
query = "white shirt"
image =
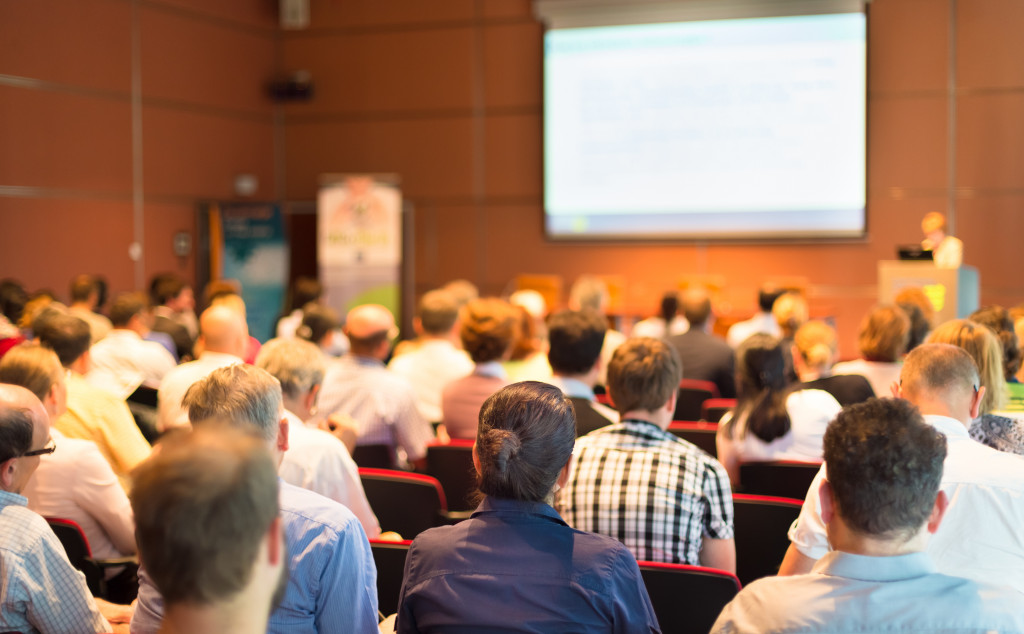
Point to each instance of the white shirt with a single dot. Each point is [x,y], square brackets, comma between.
[123,361]
[981,536]
[949,254]
[318,461]
[76,483]
[655,327]
[761,322]
[176,383]
[880,374]
[429,367]
[810,412]
[574,388]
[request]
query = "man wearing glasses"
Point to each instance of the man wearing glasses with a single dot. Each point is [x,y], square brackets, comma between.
[39,591]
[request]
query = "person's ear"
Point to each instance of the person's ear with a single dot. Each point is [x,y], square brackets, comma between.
[282,435]
[979,396]
[476,461]
[825,497]
[563,475]
[8,473]
[938,512]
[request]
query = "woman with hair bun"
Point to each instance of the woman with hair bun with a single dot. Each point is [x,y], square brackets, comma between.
[515,565]
[814,350]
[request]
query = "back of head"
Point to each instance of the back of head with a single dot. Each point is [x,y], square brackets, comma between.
[589,292]
[999,321]
[669,306]
[165,287]
[223,330]
[766,298]
[438,309]
[643,374]
[884,466]
[816,342]
[762,383]
[202,506]
[526,434]
[790,312]
[933,221]
[304,291]
[488,328]
[883,334]
[216,289]
[298,365]
[18,410]
[915,295]
[125,306]
[464,291]
[941,372]
[368,326]
[12,300]
[575,339]
[67,335]
[919,326]
[83,287]
[696,307]
[531,301]
[239,395]
[983,347]
[317,321]
[33,367]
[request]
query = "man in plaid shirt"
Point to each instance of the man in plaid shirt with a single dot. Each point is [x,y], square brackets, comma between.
[661,496]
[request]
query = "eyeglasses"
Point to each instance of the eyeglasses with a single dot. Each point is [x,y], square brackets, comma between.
[45,451]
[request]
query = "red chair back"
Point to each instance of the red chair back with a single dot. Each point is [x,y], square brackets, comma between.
[692,394]
[700,434]
[687,599]
[452,465]
[783,478]
[762,526]
[407,503]
[713,409]
[389,557]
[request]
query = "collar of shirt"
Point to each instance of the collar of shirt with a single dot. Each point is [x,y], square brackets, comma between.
[7,498]
[492,369]
[573,388]
[500,506]
[218,357]
[357,359]
[123,333]
[637,421]
[949,427]
[864,568]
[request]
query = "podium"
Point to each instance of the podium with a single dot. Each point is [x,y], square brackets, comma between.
[954,293]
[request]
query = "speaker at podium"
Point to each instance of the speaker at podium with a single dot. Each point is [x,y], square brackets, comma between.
[955,293]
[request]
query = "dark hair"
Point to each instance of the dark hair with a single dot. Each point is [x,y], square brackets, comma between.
[317,321]
[669,306]
[575,339]
[998,320]
[303,291]
[643,374]
[526,434]
[762,382]
[202,506]
[126,306]
[165,287]
[919,325]
[884,466]
[766,298]
[438,310]
[12,300]
[82,286]
[489,327]
[67,335]
[16,429]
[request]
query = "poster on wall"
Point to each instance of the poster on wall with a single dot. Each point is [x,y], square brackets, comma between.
[254,251]
[359,240]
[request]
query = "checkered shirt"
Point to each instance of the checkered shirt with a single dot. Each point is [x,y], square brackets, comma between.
[657,494]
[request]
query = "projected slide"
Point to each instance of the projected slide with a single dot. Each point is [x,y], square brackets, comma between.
[727,128]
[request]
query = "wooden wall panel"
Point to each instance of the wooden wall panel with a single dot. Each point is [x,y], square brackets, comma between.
[990,47]
[992,228]
[65,141]
[907,143]
[336,14]
[85,44]
[513,156]
[990,140]
[513,65]
[262,14]
[908,45]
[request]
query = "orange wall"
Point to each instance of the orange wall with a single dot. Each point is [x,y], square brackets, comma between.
[448,95]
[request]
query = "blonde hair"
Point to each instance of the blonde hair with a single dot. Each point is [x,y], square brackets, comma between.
[883,334]
[816,342]
[933,221]
[33,367]
[982,345]
[790,312]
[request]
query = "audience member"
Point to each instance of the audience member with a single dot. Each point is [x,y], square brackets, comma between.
[704,356]
[75,483]
[320,325]
[92,413]
[223,340]
[947,251]
[770,421]
[762,322]
[790,312]
[315,459]
[667,323]
[435,361]
[123,360]
[174,313]
[227,572]
[303,291]
[662,497]
[84,298]
[40,591]
[225,293]
[383,404]
[880,504]
[528,360]
[574,352]
[488,330]
[882,340]
[815,348]
[980,537]
[1001,322]
[12,305]
[515,562]
[332,585]
[590,292]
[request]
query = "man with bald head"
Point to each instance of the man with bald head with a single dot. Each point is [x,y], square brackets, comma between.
[705,357]
[39,589]
[980,536]
[223,340]
[383,404]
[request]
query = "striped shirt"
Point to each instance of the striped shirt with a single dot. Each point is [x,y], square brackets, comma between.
[657,494]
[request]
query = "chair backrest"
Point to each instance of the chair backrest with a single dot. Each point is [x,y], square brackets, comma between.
[389,558]
[713,409]
[374,456]
[77,548]
[762,525]
[452,465]
[687,599]
[699,433]
[407,503]
[782,478]
[692,394]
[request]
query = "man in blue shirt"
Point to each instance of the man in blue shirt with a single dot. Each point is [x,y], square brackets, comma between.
[332,584]
[880,503]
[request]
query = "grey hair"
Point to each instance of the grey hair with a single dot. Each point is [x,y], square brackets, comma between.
[240,395]
[298,364]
